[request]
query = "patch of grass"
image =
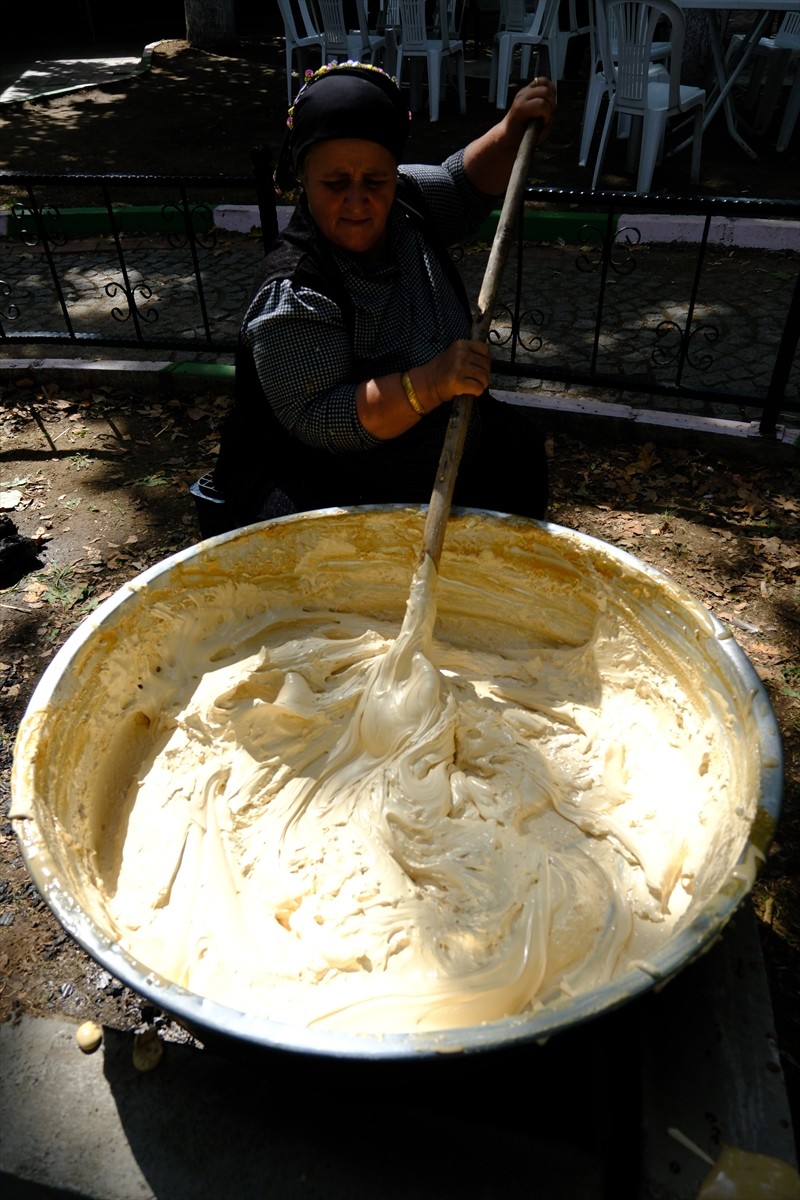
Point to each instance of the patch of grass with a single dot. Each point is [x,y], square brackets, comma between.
[151,481]
[791,677]
[64,588]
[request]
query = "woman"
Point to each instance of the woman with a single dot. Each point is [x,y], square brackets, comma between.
[357,337]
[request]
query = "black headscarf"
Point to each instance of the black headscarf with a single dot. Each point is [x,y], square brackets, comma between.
[353,100]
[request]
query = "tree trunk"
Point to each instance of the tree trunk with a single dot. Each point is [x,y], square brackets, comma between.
[211,25]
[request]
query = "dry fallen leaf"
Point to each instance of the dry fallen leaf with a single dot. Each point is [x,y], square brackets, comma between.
[648,458]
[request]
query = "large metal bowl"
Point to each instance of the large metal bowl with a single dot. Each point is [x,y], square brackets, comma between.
[345,558]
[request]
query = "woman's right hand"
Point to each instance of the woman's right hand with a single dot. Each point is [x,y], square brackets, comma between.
[462,369]
[386,409]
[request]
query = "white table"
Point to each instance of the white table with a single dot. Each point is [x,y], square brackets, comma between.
[727,74]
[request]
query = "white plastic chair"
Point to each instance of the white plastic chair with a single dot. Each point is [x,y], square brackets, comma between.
[390,13]
[358,45]
[788,38]
[514,18]
[627,45]
[527,30]
[416,43]
[791,112]
[767,48]
[775,56]
[297,42]
[597,86]
[577,27]
[455,17]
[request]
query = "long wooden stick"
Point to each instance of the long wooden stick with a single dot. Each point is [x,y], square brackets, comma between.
[455,436]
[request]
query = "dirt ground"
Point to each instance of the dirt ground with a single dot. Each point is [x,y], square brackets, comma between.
[98,481]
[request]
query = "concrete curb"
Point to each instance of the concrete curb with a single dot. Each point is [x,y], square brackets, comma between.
[751,233]
[641,424]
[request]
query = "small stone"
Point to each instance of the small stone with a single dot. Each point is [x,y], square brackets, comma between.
[89,1036]
[147,1050]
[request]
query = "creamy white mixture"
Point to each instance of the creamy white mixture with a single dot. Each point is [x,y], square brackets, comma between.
[305,814]
[381,835]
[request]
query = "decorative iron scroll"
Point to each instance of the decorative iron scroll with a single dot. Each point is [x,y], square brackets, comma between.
[664,356]
[595,238]
[115,289]
[519,331]
[11,312]
[39,217]
[205,236]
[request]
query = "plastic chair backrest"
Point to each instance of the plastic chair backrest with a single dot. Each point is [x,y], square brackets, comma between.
[517,17]
[363,25]
[597,31]
[544,22]
[455,17]
[310,24]
[297,39]
[332,16]
[293,30]
[576,23]
[289,25]
[788,35]
[627,34]
[514,16]
[414,28]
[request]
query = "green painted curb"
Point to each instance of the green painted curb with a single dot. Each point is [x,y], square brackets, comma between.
[154,219]
[94,222]
[208,370]
[551,226]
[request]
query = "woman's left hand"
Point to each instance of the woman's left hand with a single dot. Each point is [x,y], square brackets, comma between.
[489,160]
[535,102]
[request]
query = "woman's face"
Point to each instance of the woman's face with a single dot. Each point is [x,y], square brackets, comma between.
[350,185]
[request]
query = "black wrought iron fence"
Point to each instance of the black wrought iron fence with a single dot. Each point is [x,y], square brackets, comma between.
[694,302]
[687,302]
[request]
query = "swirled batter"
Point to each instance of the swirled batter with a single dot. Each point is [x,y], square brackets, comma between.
[377,833]
[246,776]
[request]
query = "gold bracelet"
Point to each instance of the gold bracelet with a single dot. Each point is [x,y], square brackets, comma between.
[411,395]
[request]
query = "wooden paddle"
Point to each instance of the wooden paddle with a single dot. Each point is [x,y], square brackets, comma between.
[453,446]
